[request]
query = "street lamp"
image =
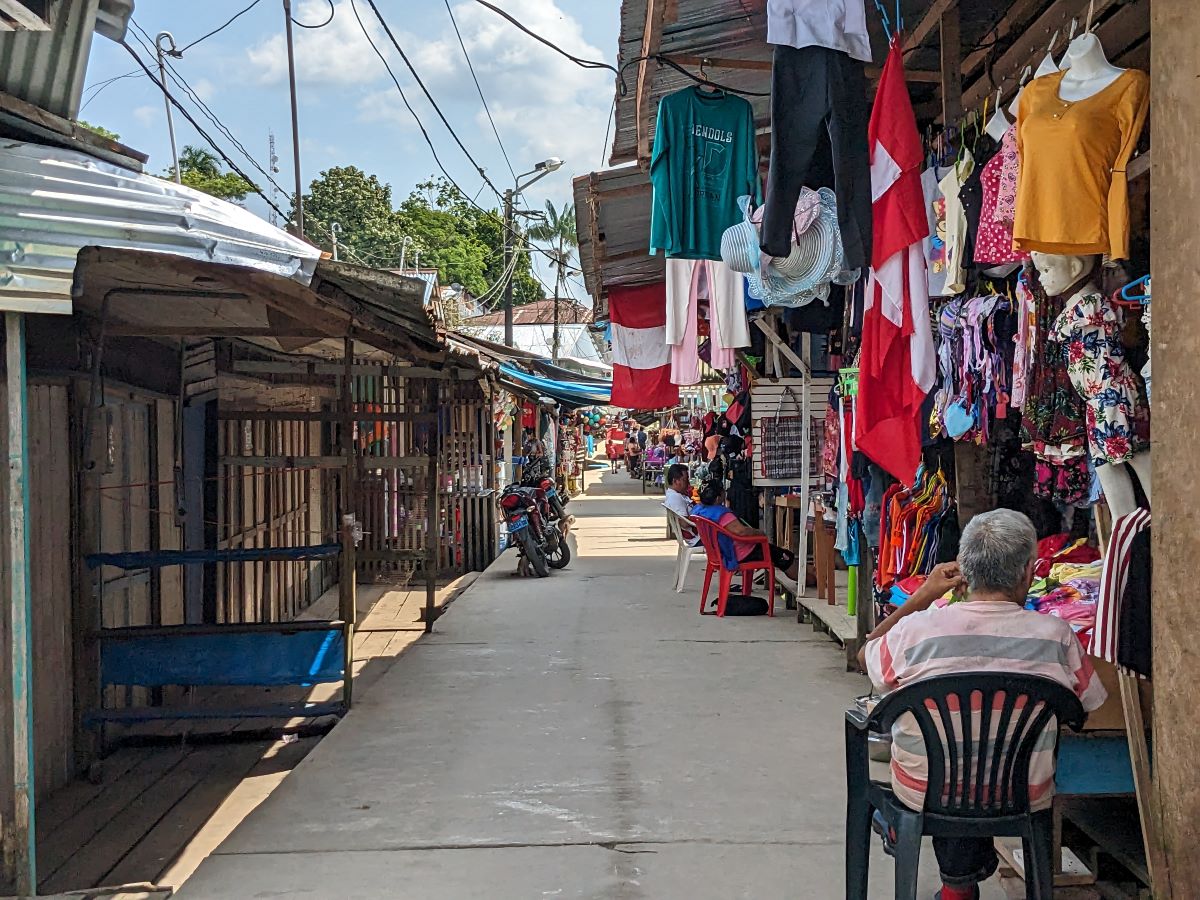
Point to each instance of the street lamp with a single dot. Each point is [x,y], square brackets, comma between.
[169,50]
[540,171]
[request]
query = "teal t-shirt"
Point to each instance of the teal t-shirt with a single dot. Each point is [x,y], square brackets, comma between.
[705,157]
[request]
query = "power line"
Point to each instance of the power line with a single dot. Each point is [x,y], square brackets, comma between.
[221,28]
[483,99]
[332,13]
[209,140]
[428,96]
[99,86]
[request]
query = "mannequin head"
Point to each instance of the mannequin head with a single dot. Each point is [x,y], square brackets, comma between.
[1058,273]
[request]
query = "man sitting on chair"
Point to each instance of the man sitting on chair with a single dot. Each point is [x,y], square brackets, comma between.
[989,631]
[678,500]
[712,507]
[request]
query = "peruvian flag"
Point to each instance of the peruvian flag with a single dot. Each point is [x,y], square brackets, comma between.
[897,363]
[640,354]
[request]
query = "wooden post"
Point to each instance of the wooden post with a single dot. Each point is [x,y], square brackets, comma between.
[20,834]
[951,58]
[1174,196]
[348,580]
[432,506]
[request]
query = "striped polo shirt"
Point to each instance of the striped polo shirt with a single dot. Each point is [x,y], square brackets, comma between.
[977,636]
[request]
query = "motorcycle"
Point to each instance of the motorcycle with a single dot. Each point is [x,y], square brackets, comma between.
[534,528]
[558,502]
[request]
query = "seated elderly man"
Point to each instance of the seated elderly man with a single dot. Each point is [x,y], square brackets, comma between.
[989,631]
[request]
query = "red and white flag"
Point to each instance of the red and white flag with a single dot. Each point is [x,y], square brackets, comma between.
[641,356]
[898,363]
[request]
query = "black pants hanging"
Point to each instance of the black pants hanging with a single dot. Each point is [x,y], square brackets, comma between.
[817,93]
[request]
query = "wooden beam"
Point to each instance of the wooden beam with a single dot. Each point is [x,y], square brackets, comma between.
[1030,47]
[651,39]
[202,331]
[951,60]
[931,20]
[722,62]
[20,834]
[776,343]
[15,16]
[255,367]
[1017,14]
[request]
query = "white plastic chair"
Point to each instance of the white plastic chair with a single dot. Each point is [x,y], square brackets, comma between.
[686,550]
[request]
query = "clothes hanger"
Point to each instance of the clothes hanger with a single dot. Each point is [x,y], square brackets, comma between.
[887,22]
[705,82]
[997,125]
[1014,108]
[1130,296]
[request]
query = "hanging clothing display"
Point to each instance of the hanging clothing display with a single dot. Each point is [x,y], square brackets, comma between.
[935,242]
[704,158]
[641,358]
[956,223]
[1088,333]
[1009,172]
[993,235]
[818,94]
[1054,423]
[836,24]
[1106,639]
[897,365]
[970,195]
[1134,641]
[1073,193]
[910,528]
[689,282]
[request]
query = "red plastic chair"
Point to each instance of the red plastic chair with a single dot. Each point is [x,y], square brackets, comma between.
[709,532]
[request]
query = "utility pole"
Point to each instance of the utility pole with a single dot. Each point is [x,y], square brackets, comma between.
[404,251]
[287,15]
[162,77]
[508,255]
[335,229]
[273,165]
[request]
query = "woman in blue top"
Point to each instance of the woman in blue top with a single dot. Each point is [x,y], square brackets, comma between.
[733,552]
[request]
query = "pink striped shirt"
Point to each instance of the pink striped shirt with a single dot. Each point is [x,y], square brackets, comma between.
[977,636]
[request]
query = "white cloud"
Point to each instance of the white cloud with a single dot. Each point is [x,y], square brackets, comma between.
[543,104]
[204,89]
[338,54]
[147,115]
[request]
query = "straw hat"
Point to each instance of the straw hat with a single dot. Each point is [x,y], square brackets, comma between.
[815,259]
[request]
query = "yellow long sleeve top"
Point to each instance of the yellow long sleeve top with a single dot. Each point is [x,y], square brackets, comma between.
[1072,191]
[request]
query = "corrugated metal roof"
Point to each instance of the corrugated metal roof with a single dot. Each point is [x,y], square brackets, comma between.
[54,202]
[612,214]
[47,68]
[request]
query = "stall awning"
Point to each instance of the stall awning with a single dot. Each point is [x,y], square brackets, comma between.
[571,394]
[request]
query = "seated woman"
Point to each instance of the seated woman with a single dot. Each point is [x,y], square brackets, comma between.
[712,507]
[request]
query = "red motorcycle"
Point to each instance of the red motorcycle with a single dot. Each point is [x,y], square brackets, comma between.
[534,528]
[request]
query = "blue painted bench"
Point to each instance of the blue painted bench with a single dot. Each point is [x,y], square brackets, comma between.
[300,654]
[291,654]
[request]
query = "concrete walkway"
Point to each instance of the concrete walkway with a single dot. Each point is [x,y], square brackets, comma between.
[588,735]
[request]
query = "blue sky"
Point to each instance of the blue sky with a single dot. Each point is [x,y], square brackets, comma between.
[350,112]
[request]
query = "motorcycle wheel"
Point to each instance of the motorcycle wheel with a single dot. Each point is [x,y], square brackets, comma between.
[534,554]
[560,558]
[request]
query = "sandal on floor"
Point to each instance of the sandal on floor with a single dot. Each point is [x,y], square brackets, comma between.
[880,827]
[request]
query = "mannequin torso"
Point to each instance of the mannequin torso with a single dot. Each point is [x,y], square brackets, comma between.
[1089,70]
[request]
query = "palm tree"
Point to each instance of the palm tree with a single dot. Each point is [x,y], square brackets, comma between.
[559,229]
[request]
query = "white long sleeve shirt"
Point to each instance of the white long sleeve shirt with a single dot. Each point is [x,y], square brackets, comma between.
[836,24]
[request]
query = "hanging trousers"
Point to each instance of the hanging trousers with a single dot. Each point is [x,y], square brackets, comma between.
[817,93]
[689,281]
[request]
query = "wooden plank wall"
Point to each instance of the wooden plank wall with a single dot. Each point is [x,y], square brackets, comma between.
[271,507]
[50,545]
[467,539]
[764,401]
[391,497]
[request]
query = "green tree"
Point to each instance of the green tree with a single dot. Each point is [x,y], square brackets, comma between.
[435,224]
[100,130]
[369,231]
[201,170]
[559,229]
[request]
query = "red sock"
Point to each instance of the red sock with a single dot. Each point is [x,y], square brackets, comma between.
[958,893]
